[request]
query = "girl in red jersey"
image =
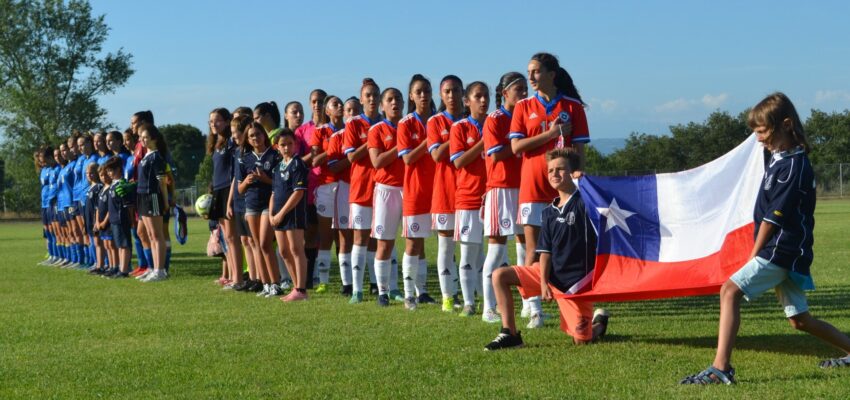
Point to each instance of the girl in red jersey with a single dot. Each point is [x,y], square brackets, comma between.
[331,121]
[389,178]
[339,165]
[501,200]
[553,117]
[467,152]
[418,186]
[304,133]
[442,199]
[360,192]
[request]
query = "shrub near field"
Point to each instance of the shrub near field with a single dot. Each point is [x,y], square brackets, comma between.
[66,334]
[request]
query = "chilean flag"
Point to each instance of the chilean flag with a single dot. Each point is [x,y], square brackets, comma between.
[672,235]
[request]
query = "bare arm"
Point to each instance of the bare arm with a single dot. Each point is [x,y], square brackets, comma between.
[545,271]
[381,160]
[526,144]
[319,157]
[415,154]
[359,153]
[440,152]
[469,155]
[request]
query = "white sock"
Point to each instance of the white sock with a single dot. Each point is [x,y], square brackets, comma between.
[520,253]
[393,270]
[468,271]
[345,268]
[495,254]
[323,265]
[534,305]
[358,259]
[382,272]
[505,261]
[422,277]
[370,261]
[446,270]
[409,269]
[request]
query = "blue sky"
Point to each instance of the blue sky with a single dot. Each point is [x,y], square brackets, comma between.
[641,65]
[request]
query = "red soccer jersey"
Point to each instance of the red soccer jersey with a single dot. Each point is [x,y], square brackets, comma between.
[443,198]
[419,176]
[504,173]
[355,135]
[533,116]
[383,136]
[472,178]
[321,141]
[335,155]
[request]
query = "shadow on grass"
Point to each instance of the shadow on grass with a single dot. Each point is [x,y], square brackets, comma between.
[791,343]
[568,341]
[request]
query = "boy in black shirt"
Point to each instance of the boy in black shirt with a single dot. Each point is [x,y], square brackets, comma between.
[567,249]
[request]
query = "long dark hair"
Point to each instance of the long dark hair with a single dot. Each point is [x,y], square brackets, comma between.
[563,80]
[446,78]
[508,79]
[144,116]
[156,135]
[324,118]
[217,142]
[411,105]
[269,108]
[468,90]
[386,93]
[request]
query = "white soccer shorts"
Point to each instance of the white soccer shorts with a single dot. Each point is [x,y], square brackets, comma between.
[386,208]
[531,214]
[416,226]
[500,212]
[325,200]
[468,226]
[343,209]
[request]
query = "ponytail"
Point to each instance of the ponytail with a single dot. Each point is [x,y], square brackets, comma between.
[411,105]
[269,108]
[563,81]
[507,80]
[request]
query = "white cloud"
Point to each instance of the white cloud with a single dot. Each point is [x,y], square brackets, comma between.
[606,105]
[677,105]
[825,96]
[683,104]
[711,101]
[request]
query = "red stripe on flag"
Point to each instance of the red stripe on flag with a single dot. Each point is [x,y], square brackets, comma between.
[618,278]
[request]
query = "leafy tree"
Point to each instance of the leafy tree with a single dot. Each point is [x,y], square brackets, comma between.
[204,177]
[186,145]
[52,69]
[829,135]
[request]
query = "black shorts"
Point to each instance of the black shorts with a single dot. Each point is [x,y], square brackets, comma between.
[62,217]
[151,205]
[74,210]
[312,215]
[45,216]
[218,206]
[295,219]
[120,235]
[241,224]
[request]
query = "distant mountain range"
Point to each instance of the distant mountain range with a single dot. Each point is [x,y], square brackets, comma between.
[607,146]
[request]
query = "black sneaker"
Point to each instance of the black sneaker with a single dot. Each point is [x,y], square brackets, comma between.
[255,286]
[505,341]
[346,290]
[373,288]
[109,273]
[242,286]
[119,275]
[600,316]
[383,300]
[424,298]
[95,271]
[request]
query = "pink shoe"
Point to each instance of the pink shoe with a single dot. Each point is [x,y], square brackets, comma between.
[294,295]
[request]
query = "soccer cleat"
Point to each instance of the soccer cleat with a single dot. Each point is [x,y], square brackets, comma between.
[346,290]
[490,316]
[600,316]
[467,311]
[120,275]
[448,304]
[397,295]
[373,288]
[505,341]
[410,303]
[536,321]
[255,286]
[458,304]
[138,271]
[424,298]
[356,298]
[228,286]
[144,276]
[383,300]
[274,291]
[321,288]
[265,290]
[241,286]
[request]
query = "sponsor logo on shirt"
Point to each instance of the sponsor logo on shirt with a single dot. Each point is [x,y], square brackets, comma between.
[768,182]
[533,115]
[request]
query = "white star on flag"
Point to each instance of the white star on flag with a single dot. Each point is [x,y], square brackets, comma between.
[615,216]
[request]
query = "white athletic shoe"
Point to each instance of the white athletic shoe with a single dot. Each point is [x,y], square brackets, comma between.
[144,276]
[536,321]
[265,290]
[156,277]
[274,291]
[490,316]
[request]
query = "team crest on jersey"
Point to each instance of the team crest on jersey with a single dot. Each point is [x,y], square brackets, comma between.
[570,219]
[414,227]
[464,230]
[768,183]
[284,174]
[525,211]
[564,117]
[442,219]
[267,165]
[343,220]
[379,229]
[357,219]
[321,207]
[506,223]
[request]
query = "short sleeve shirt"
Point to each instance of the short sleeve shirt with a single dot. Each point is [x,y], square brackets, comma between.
[222,160]
[568,236]
[151,171]
[320,140]
[355,135]
[504,173]
[418,176]
[336,155]
[383,137]
[443,197]
[258,193]
[289,177]
[471,179]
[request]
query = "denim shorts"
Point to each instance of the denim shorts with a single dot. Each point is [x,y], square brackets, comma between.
[252,213]
[759,275]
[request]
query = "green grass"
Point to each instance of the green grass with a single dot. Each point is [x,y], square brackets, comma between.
[65,334]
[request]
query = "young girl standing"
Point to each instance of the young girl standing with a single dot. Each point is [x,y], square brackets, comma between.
[443,197]
[86,157]
[340,166]
[782,253]
[418,188]
[152,188]
[553,117]
[501,200]
[466,149]
[354,144]
[236,204]
[304,134]
[389,178]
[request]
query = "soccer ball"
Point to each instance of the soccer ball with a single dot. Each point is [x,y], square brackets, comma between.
[202,205]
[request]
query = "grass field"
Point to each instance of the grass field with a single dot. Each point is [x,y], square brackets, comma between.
[65,334]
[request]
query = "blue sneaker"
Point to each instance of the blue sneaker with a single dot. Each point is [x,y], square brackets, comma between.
[383,300]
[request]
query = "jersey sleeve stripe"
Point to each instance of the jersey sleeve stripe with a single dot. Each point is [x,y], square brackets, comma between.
[434,146]
[348,150]
[455,156]
[516,135]
[403,152]
[495,149]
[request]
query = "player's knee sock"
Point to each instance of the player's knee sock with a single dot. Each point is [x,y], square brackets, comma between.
[50,241]
[149,256]
[323,265]
[495,254]
[468,271]
[168,255]
[479,287]
[409,270]
[520,253]
[370,261]
[358,266]
[345,268]
[393,270]
[382,273]
[141,260]
[447,271]
[75,253]
[422,277]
